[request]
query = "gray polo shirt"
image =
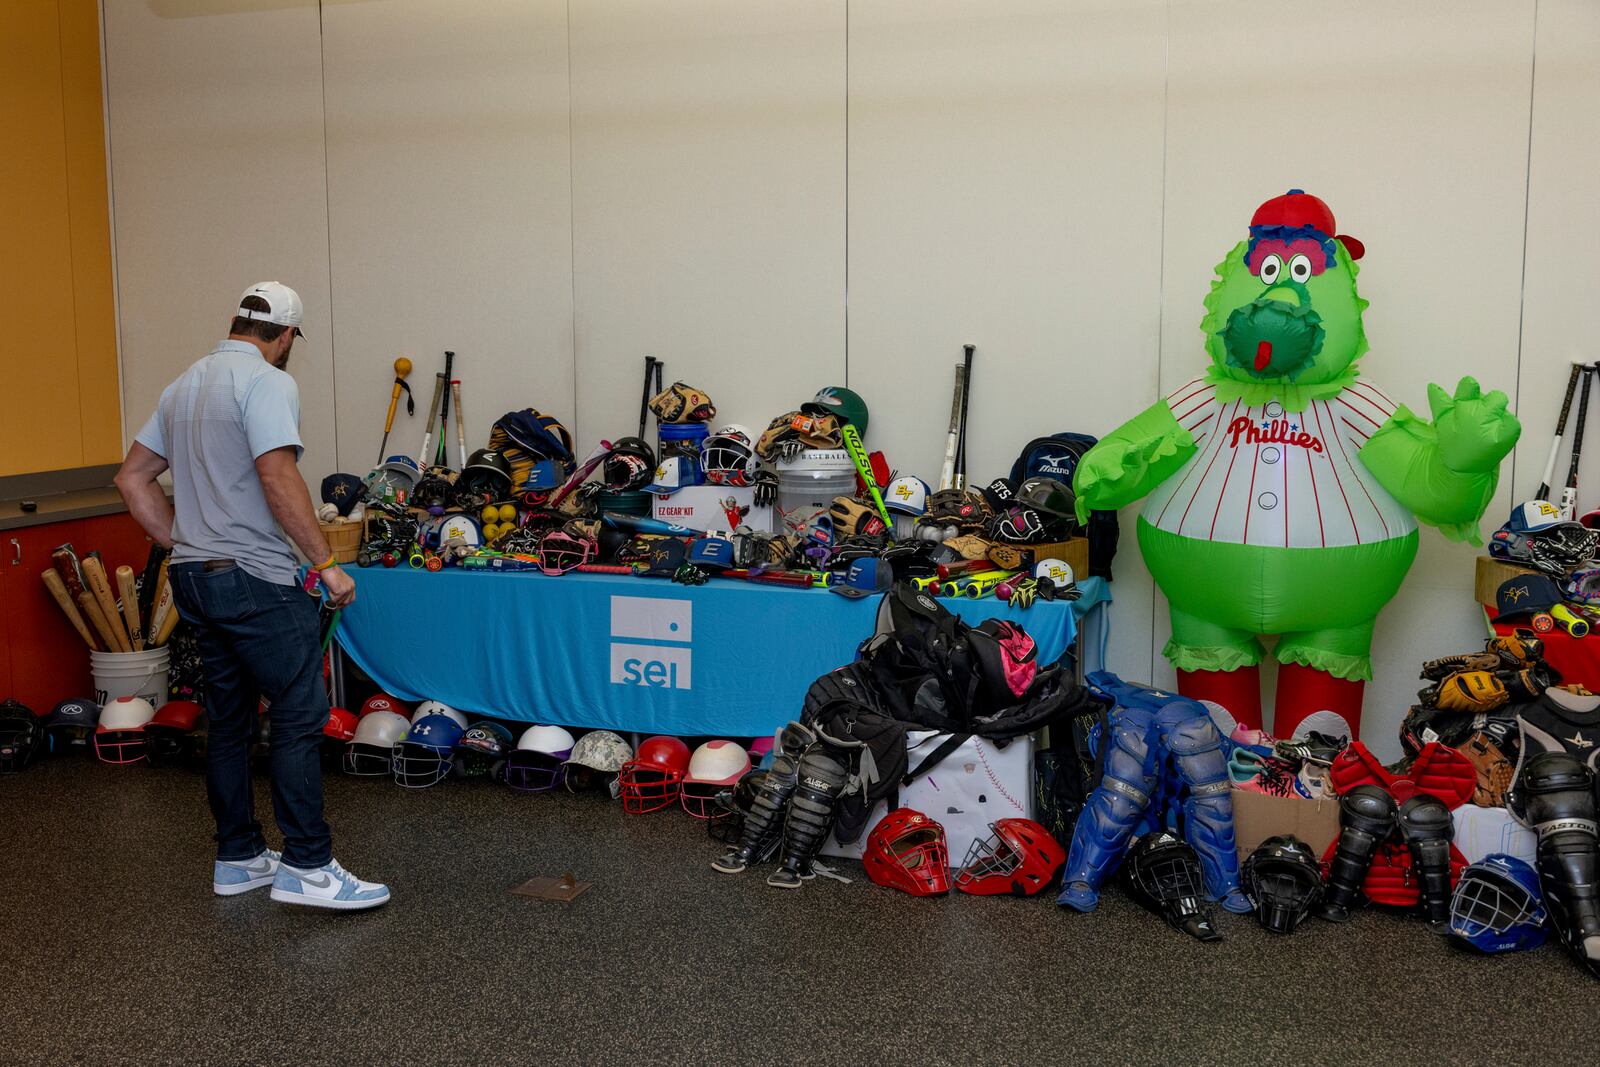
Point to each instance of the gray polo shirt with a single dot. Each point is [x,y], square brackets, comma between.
[210,426]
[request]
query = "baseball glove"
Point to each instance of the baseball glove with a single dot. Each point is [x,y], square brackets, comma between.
[968,512]
[1494,770]
[780,440]
[851,517]
[1481,691]
[682,403]
[1562,547]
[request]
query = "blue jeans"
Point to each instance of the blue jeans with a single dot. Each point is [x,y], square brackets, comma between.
[259,640]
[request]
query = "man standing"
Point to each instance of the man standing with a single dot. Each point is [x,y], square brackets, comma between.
[229,431]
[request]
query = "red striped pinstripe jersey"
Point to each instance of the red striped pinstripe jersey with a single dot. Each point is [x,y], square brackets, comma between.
[1264,476]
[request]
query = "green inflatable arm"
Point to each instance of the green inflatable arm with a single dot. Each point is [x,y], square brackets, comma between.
[1445,472]
[1131,460]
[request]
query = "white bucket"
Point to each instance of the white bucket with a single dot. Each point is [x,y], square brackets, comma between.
[131,674]
[813,478]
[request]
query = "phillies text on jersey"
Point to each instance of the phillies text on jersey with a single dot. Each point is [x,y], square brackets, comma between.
[1264,476]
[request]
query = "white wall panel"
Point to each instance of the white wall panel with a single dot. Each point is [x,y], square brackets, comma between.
[450,219]
[1411,121]
[217,182]
[1562,275]
[1005,191]
[708,202]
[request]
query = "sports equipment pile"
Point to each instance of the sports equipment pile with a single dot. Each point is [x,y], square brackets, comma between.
[1139,790]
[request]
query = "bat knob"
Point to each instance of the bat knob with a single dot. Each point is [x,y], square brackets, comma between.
[402,367]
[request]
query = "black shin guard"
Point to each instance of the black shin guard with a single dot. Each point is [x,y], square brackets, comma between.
[763,823]
[822,780]
[1558,799]
[1428,829]
[1366,817]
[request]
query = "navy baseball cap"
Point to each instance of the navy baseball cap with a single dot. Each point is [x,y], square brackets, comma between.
[713,553]
[1526,594]
[865,577]
[343,491]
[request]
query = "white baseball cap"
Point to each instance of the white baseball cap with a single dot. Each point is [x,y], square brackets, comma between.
[283,305]
[908,496]
[1058,571]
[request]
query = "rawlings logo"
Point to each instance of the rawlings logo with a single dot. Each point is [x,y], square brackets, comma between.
[1271,432]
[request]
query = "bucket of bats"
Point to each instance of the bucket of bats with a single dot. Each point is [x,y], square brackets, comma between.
[131,674]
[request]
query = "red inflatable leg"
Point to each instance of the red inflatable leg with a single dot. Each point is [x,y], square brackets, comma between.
[1303,690]
[1239,691]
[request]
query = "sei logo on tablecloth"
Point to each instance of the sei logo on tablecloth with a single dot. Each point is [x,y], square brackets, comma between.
[668,626]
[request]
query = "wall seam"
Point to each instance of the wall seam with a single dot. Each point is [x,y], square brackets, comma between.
[1527,200]
[66,169]
[111,228]
[572,227]
[327,217]
[1161,268]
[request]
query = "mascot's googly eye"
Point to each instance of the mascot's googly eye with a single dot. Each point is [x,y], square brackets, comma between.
[1300,268]
[1271,267]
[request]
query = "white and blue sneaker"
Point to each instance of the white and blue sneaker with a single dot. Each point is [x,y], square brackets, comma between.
[329,886]
[231,877]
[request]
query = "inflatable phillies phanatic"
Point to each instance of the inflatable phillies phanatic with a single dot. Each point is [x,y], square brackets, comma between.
[1283,488]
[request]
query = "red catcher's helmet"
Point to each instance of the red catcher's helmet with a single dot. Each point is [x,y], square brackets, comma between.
[907,851]
[341,724]
[384,702]
[651,780]
[1018,857]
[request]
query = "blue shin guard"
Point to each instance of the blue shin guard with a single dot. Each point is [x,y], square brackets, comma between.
[1187,734]
[1107,821]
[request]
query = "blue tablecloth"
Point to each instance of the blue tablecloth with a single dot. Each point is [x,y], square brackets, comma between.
[727,658]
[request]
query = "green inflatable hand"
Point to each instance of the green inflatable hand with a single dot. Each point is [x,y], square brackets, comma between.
[1475,431]
[1131,460]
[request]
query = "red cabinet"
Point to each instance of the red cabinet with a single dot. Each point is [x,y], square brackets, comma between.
[45,660]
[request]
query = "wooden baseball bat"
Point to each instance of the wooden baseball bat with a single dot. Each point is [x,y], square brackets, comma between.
[65,561]
[402,367]
[154,568]
[163,608]
[91,611]
[130,606]
[461,425]
[168,624]
[94,572]
[58,590]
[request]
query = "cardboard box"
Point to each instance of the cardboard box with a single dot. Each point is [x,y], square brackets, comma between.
[1483,831]
[1491,574]
[1257,816]
[699,507]
[973,786]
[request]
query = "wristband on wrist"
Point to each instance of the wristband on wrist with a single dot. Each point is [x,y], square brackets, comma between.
[325,564]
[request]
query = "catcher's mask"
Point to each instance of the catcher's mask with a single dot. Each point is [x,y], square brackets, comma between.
[1162,872]
[1284,880]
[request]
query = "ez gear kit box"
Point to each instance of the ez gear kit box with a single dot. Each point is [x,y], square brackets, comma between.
[705,507]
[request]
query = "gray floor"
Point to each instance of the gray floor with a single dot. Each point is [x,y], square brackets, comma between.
[113,949]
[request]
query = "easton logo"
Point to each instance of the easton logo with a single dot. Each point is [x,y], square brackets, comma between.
[1271,432]
[658,651]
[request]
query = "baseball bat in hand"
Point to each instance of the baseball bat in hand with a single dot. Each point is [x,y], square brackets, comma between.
[94,573]
[130,606]
[58,590]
